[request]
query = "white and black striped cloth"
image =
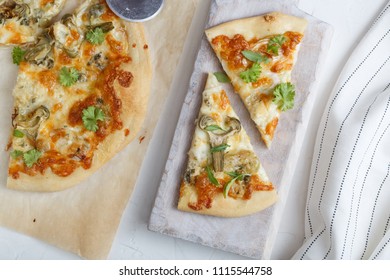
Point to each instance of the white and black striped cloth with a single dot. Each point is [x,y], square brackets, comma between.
[348,203]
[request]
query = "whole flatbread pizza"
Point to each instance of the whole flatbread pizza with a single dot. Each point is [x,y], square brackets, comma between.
[80,97]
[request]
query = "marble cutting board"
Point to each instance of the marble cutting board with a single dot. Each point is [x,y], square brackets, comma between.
[251,236]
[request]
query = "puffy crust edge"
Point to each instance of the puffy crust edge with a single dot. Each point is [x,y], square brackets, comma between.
[259,26]
[227,207]
[134,105]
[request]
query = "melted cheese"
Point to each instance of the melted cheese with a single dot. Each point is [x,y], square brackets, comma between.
[262,110]
[39,86]
[19,30]
[199,153]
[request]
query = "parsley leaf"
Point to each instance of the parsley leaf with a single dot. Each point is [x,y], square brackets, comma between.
[16,153]
[222,77]
[18,55]
[252,74]
[31,157]
[254,56]
[95,36]
[219,148]
[68,76]
[284,96]
[275,43]
[211,177]
[18,134]
[90,117]
[236,176]
[213,127]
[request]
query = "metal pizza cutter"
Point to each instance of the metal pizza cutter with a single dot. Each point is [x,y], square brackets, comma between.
[136,10]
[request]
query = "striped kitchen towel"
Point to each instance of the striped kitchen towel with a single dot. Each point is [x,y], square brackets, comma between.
[348,201]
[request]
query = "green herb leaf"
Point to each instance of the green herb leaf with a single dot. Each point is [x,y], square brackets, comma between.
[231,182]
[213,127]
[284,96]
[222,77]
[91,116]
[254,56]
[16,153]
[210,174]
[252,74]
[31,157]
[18,134]
[68,76]
[275,43]
[95,36]
[233,174]
[18,55]
[219,148]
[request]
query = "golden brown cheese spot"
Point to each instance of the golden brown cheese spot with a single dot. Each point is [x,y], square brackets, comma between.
[127,132]
[63,58]
[224,102]
[76,111]
[106,83]
[88,49]
[230,49]
[115,46]
[206,192]
[56,107]
[48,79]
[263,81]
[269,18]
[146,47]
[271,126]
[256,184]
[45,2]
[108,15]
[293,39]
[282,65]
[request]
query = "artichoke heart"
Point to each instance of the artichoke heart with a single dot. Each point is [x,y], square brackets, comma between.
[31,122]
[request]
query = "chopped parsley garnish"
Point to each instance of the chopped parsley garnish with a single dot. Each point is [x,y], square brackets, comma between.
[236,176]
[222,77]
[275,43]
[211,177]
[252,74]
[16,153]
[68,76]
[95,36]
[31,157]
[18,134]
[254,56]
[213,127]
[219,148]
[18,55]
[91,116]
[284,96]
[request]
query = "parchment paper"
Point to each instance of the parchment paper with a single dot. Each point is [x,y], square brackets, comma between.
[251,236]
[84,219]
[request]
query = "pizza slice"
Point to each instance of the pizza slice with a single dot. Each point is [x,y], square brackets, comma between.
[258,54]
[81,95]
[224,177]
[22,20]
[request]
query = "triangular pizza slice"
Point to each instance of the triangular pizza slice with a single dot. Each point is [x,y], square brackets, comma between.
[224,177]
[22,20]
[258,54]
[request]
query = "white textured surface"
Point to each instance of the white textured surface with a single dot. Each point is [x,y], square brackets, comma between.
[350,19]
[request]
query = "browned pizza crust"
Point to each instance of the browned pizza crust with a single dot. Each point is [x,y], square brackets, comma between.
[259,26]
[134,105]
[228,207]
